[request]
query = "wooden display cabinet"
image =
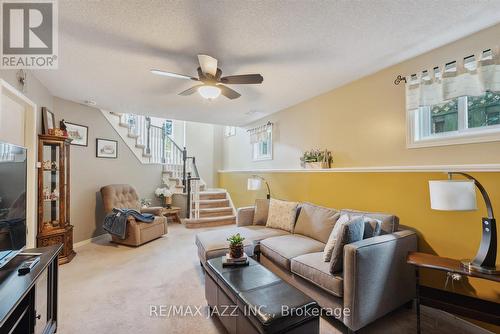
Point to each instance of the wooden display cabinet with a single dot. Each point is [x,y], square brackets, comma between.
[54,225]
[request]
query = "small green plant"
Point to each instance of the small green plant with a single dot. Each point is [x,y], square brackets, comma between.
[235,240]
[317,156]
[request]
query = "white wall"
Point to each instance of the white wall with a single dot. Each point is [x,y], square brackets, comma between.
[203,142]
[20,123]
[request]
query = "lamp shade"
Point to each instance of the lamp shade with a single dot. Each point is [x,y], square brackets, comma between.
[254,183]
[451,195]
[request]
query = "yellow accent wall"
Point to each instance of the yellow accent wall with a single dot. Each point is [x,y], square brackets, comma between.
[364,124]
[405,194]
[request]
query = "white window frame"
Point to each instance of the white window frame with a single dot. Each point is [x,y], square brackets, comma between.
[256,147]
[463,135]
[229,131]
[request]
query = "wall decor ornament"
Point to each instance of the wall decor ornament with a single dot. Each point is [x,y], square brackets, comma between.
[316,159]
[79,134]
[48,120]
[106,148]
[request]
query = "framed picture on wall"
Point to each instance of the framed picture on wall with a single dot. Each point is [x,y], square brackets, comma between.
[79,133]
[48,120]
[106,148]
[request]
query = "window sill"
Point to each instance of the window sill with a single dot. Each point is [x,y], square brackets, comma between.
[465,138]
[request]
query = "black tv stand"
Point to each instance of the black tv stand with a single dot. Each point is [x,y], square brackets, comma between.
[29,302]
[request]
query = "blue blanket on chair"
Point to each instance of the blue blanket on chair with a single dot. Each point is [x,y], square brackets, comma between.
[116,222]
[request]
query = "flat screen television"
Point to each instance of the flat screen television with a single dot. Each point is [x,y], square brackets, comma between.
[13,173]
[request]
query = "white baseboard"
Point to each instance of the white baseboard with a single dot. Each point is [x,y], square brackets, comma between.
[88,241]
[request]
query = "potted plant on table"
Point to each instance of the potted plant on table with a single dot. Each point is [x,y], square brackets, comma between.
[236,246]
[165,195]
[316,159]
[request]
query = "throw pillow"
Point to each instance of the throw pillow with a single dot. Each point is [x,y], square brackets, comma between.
[372,227]
[261,211]
[282,214]
[316,221]
[351,232]
[334,235]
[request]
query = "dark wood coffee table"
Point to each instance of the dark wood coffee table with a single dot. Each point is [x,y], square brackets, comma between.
[251,299]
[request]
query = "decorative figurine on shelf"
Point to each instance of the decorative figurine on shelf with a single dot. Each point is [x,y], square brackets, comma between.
[46,193]
[55,195]
[47,164]
[165,195]
[145,203]
[64,128]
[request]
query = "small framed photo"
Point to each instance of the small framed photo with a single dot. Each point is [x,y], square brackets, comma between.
[79,134]
[48,120]
[106,148]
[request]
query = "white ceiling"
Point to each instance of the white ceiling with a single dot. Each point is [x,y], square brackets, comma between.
[302,48]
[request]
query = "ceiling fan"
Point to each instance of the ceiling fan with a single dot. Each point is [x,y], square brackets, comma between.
[212,81]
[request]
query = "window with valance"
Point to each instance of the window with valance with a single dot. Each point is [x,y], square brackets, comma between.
[456,104]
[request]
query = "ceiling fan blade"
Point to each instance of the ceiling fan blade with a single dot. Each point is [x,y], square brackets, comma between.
[172,75]
[190,91]
[208,64]
[228,92]
[242,79]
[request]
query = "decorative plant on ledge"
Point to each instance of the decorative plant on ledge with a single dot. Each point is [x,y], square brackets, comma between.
[236,245]
[316,159]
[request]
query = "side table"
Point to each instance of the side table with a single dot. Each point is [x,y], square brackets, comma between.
[462,305]
[172,213]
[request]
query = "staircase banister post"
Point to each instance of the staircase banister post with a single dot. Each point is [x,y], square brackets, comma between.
[148,135]
[184,160]
[188,212]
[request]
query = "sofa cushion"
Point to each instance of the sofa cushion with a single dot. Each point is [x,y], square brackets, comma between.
[316,221]
[282,214]
[214,243]
[334,235]
[261,211]
[390,223]
[373,227]
[282,249]
[350,232]
[312,268]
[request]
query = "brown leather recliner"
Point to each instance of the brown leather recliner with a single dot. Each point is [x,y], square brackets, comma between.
[124,196]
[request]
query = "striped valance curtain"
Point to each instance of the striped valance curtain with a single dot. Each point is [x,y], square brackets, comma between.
[473,75]
[260,133]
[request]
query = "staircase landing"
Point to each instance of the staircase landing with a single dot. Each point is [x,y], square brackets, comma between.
[216,209]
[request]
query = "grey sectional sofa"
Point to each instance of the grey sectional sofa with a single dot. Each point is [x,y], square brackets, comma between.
[375,278]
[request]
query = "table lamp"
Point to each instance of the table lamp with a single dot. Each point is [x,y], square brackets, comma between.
[460,195]
[255,183]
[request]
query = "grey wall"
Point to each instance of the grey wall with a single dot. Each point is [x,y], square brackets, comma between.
[89,173]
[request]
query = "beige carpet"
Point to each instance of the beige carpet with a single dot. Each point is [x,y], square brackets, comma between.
[109,289]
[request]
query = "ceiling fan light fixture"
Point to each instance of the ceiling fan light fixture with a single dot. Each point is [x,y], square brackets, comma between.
[209,92]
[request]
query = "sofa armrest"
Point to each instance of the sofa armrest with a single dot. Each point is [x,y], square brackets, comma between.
[377,278]
[244,216]
[155,210]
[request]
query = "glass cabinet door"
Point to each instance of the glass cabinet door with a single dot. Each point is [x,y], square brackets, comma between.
[52,181]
